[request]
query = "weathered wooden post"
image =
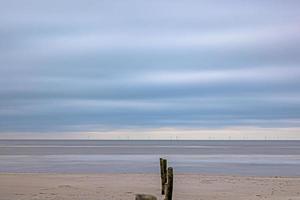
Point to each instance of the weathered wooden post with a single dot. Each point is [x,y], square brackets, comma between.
[145,197]
[163,174]
[169,188]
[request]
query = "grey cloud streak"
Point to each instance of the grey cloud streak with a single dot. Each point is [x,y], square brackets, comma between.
[95,65]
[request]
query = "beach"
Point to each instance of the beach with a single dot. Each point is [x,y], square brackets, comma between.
[123,186]
[129,100]
[117,170]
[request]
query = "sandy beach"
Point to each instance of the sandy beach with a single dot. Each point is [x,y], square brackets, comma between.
[124,186]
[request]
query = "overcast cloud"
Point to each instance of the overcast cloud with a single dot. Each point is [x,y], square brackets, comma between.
[80,66]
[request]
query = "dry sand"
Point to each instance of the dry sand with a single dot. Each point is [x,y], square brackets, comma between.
[125,186]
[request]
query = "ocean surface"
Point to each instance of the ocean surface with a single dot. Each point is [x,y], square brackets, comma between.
[255,158]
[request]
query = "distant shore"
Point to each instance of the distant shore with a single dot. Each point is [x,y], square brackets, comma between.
[41,186]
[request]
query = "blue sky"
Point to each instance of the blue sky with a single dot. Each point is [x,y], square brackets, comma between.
[112,68]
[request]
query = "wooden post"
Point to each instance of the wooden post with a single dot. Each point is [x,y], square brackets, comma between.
[145,197]
[169,188]
[163,174]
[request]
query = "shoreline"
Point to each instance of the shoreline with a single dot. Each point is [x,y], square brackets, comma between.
[189,186]
[145,173]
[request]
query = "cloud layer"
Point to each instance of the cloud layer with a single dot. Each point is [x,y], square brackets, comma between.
[81,66]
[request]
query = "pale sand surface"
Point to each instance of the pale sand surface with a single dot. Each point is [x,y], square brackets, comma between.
[125,186]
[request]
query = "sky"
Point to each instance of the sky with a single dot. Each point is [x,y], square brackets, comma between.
[150,69]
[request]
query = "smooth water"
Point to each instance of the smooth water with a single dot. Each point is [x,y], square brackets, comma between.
[266,158]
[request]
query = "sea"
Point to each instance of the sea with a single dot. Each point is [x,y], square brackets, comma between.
[221,157]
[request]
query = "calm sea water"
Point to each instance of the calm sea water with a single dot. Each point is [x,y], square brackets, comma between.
[264,158]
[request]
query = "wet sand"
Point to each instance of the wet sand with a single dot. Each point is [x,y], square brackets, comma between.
[124,187]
